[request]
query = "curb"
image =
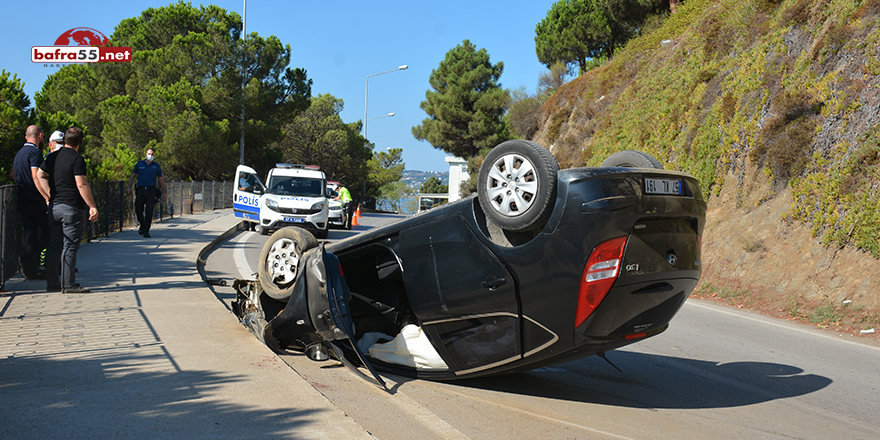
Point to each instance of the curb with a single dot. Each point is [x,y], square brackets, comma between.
[200,259]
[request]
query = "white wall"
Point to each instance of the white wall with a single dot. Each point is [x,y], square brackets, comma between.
[457,175]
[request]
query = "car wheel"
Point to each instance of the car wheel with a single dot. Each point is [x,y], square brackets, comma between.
[632,159]
[517,185]
[280,260]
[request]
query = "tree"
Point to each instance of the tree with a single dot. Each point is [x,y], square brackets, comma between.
[551,80]
[434,186]
[395,197]
[182,92]
[466,105]
[319,137]
[385,167]
[15,116]
[524,113]
[576,31]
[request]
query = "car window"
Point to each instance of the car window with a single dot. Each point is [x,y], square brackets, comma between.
[248,182]
[296,186]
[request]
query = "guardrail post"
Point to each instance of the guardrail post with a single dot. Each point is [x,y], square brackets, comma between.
[106,209]
[4,238]
[121,205]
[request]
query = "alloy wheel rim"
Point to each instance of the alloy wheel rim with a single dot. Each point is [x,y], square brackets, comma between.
[511,185]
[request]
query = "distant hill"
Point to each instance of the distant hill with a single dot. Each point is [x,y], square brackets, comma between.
[774,105]
[415,178]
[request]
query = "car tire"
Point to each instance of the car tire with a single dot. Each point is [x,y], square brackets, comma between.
[280,260]
[529,165]
[632,159]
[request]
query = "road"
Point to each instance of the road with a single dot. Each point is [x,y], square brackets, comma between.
[717,372]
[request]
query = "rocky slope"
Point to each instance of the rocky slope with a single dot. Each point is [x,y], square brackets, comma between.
[775,107]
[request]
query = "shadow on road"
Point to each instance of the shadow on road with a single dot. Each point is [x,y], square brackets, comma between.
[653,381]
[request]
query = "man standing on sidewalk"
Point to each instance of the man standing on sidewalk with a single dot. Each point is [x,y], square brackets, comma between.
[148,174]
[31,203]
[63,177]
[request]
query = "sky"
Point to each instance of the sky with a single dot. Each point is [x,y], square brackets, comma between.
[339,44]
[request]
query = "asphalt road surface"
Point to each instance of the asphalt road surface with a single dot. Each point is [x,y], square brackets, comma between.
[717,372]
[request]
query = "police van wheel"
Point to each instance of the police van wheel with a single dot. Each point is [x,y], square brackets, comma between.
[263,231]
[280,260]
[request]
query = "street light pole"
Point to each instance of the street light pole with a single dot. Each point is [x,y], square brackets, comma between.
[367,93]
[366,98]
[243,81]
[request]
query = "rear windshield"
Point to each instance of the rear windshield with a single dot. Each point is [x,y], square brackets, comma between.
[296,186]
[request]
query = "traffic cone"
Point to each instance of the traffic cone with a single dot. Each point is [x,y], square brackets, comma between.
[357,212]
[355,217]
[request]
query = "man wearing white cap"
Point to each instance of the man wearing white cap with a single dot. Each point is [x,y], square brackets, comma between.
[56,141]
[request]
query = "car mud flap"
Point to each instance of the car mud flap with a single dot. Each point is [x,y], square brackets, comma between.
[338,296]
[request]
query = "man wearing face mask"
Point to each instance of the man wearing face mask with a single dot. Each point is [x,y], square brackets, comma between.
[56,141]
[149,175]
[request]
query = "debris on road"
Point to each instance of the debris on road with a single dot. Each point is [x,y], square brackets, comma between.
[215,281]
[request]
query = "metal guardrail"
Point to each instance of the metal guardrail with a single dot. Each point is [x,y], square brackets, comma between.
[115,213]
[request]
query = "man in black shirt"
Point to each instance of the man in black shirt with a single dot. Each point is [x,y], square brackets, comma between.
[63,177]
[31,203]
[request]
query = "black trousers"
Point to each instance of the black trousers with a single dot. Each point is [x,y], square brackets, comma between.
[348,213]
[144,201]
[35,233]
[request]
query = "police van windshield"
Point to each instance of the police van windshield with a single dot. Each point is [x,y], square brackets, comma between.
[296,186]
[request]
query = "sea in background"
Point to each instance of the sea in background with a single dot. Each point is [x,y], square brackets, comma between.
[414,179]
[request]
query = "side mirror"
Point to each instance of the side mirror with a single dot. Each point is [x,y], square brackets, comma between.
[317,352]
[257,190]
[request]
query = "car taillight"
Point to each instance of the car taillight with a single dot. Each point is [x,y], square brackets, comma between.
[600,273]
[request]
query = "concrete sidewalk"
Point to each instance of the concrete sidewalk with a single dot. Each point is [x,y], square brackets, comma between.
[150,353]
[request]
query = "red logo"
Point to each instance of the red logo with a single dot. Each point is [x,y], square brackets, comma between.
[82,37]
[69,48]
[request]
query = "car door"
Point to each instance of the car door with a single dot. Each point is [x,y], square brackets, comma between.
[328,302]
[464,297]
[247,192]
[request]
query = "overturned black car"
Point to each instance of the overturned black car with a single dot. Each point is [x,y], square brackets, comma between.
[543,266]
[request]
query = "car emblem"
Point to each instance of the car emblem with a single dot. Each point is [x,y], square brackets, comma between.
[293,210]
[672,259]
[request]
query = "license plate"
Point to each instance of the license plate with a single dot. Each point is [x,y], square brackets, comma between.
[663,186]
[294,220]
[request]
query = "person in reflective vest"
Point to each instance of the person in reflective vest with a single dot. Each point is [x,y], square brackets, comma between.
[347,205]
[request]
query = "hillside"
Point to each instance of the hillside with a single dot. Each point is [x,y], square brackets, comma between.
[775,107]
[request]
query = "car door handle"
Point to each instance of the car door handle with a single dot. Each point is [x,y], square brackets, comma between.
[494,283]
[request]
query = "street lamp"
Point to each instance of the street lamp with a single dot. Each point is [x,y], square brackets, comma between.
[380,117]
[367,93]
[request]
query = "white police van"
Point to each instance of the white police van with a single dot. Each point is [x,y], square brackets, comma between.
[293,195]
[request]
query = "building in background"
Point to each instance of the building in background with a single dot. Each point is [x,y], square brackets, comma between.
[458,174]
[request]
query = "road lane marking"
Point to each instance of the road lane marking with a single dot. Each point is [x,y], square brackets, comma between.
[769,320]
[240,258]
